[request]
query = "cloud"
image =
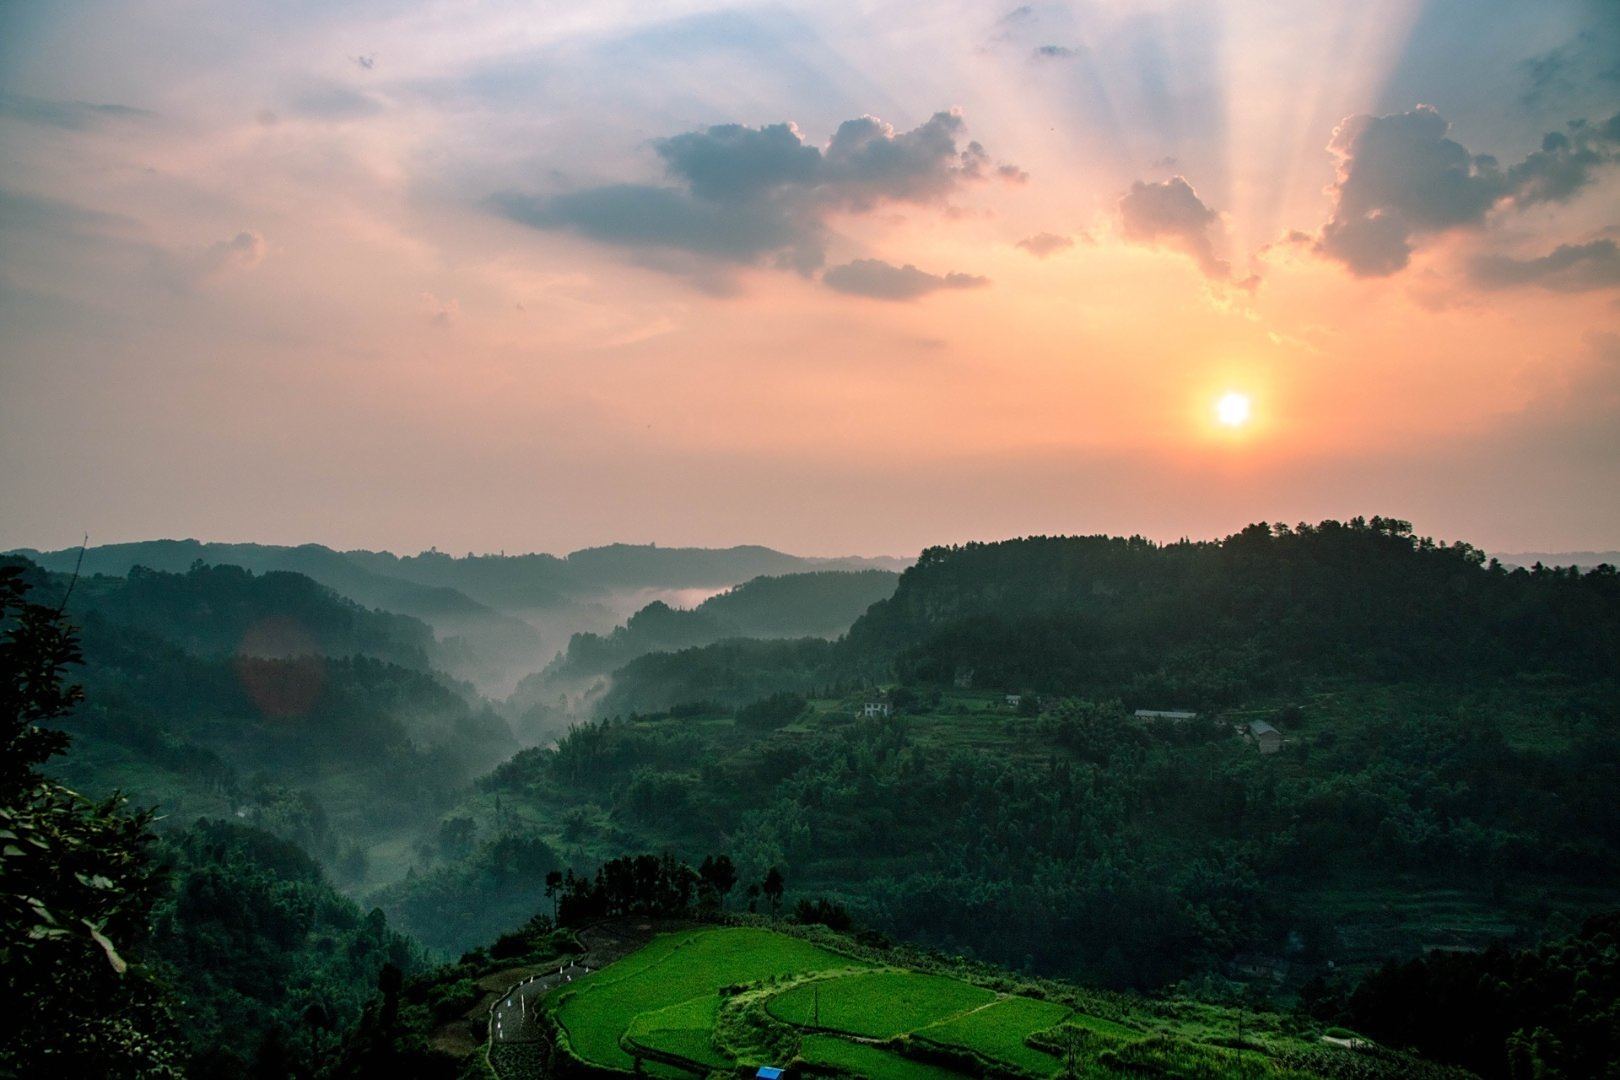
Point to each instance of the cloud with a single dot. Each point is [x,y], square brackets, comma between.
[68,115]
[878,280]
[366,62]
[747,195]
[243,251]
[440,312]
[1054,52]
[1043,245]
[1170,214]
[1567,268]
[1400,178]
[333,101]
[641,215]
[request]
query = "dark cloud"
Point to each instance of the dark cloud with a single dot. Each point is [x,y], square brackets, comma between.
[1567,268]
[1042,245]
[1054,52]
[747,195]
[640,215]
[1170,214]
[1401,178]
[366,62]
[731,161]
[878,280]
[69,115]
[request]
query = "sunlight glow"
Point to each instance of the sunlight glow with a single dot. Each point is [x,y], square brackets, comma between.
[1233,410]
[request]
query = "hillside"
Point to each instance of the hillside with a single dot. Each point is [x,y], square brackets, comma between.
[819,604]
[269,699]
[714,1001]
[478,643]
[1446,738]
[1205,624]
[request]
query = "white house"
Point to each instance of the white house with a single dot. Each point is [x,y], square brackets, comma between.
[1170,716]
[1266,737]
[876,708]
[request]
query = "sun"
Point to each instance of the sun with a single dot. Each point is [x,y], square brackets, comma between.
[1233,409]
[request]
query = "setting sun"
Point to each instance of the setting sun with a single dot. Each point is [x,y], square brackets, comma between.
[1233,410]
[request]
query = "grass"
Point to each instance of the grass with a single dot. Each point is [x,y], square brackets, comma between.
[678,969]
[877,1004]
[683,1031]
[998,1032]
[868,1061]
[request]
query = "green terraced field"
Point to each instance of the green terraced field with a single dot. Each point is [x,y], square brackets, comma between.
[998,1031]
[684,1031]
[702,1002]
[598,1010]
[878,1004]
[858,1059]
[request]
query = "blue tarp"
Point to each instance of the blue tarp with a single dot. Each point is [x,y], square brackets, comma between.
[768,1073]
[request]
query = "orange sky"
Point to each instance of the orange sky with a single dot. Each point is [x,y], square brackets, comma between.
[486,277]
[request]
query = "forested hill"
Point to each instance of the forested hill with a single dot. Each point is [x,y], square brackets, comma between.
[225,610]
[1212,620]
[437,583]
[1197,624]
[268,698]
[819,604]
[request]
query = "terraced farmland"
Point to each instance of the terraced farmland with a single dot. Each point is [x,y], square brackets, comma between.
[709,1002]
[685,969]
[877,1004]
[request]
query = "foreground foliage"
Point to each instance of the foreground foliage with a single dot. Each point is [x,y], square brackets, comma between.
[77,882]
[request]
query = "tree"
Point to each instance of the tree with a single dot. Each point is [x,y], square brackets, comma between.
[773,887]
[77,883]
[718,874]
[554,884]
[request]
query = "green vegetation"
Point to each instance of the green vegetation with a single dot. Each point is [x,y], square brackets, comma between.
[710,1000]
[857,1059]
[1000,1031]
[819,604]
[878,1004]
[78,881]
[596,1012]
[271,961]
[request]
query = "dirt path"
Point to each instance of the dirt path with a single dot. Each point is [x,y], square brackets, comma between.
[515,1016]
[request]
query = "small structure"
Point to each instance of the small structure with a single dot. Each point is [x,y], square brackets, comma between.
[964,678]
[1266,737]
[767,1072]
[1169,716]
[873,709]
[1013,700]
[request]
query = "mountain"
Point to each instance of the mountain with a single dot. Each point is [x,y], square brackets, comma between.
[499,617]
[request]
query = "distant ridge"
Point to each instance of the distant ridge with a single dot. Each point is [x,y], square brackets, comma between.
[1583,559]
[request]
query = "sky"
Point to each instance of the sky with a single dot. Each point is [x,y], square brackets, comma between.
[834,277]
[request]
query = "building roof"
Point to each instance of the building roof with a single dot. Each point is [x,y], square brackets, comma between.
[1260,727]
[1165,714]
[766,1072]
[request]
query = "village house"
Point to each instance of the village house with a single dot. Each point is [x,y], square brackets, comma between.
[1013,700]
[1169,716]
[1266,737]
[874,709]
